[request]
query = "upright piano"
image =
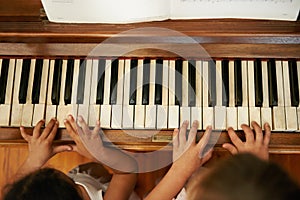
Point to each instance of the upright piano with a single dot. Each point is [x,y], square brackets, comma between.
[223,72]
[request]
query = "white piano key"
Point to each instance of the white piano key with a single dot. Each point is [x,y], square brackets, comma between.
[128,110]
[83,109]
[5,109]
[139,108]
[220,111]
[105,113]
[290,112]
[72,108]
[254,112]
[16,112]
[105,116]
[150,115]
[278,111]
[50,109]
[116,121]
[185,111]
[94,109]
[162,110]
[39,109]
[266,111]
[116,116]
[196,112]
[27,111]
[61,114]
[173,112]
[231,111]
[208,112]
[243,111]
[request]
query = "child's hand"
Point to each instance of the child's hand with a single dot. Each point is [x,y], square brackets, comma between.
[256,145]
[83,136]
[40,145]
[186,152]
[89,144]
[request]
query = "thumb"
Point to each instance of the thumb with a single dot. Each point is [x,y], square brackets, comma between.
[232,149]
[62,148]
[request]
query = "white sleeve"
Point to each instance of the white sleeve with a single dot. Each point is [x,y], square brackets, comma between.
[181,195]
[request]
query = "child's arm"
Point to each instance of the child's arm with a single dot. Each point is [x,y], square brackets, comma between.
[40,146]
[188,156]
[257,145]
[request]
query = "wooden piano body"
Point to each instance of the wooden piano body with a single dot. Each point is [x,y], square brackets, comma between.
[24,32]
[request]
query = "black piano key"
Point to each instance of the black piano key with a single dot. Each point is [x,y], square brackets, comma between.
[56,81]
[133,81]
[100,84]
[238,89]
[212,83]
[24,81]
[3,79]
[192,83]
[258,83]
[69,82]
[37,81]
[81,82]
[225,79]
[294,89]
[114,81]
[272,83]
[158,81]
[178,82]
[146,79]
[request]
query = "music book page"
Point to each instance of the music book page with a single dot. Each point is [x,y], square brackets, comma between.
[130,11]
[247,9]
[106,11]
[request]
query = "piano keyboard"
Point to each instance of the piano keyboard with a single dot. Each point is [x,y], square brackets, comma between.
[151,93]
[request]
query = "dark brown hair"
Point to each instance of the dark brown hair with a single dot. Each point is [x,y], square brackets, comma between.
[46,184]
[246,177]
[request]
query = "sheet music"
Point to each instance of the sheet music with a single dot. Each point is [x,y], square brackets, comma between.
[106,11]
[121,11]
[251,9]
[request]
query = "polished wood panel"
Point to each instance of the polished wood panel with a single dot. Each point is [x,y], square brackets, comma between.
[180,38]
[13,155]
[19,10]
